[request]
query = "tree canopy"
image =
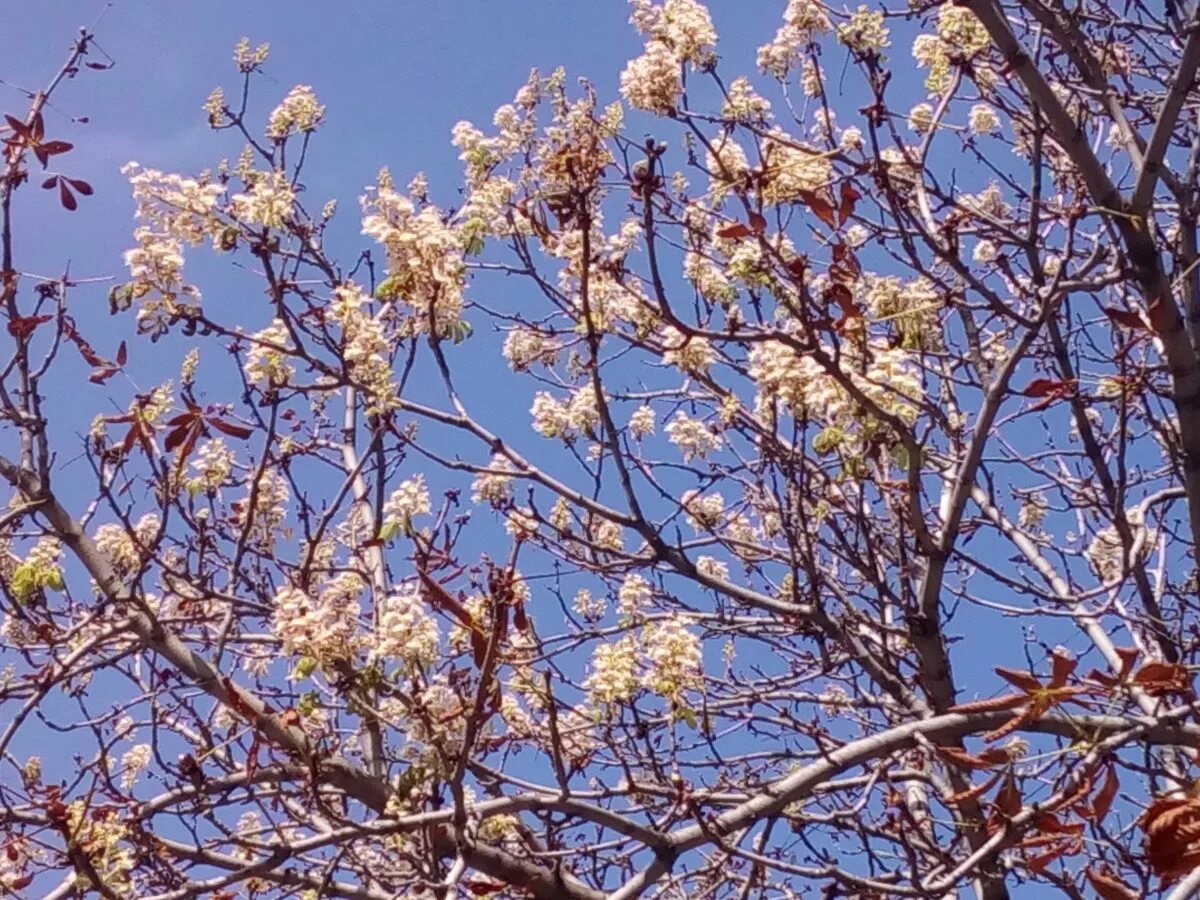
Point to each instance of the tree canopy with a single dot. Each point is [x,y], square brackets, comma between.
[779,478]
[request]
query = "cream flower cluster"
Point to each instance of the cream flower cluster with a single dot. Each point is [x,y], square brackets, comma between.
[641,422]
[268,200]
[703,511]
[173,211]
[803,22]
[133,762]
[652,81]
[493,486]
[405,631]
[213,466]
[693,437]
[124,551]
[958,34]
[299,113]
[323,628]
[664,659]
[268,362]
[523,347]
[864,32]
[679,31]
[744,104]
[104,839]
[692,354]
[791,169]
[425,260]
[366,349]
[613,675]
[802,386]
[409,500]
[554,418]
[271,495]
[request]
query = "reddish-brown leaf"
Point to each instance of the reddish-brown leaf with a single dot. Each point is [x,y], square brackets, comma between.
[1008,701]
[99,376]
[849,197]
[241,432]
[50,182]
[1008,798]
[986,759]
[1102,802]
[1062,667]
[737,230]
[1158,679]
[1038,863]
[81,186]
[844,256]
[1107,886]
[1126,318]
[758,224]
[122,354]
[972,792]
[441,598]
[54,148]
[820,207]
[797,267]
[178,435]
[19,128]
[1044,387]
[844,298]
[66,197]
[1026,681]
[23,326]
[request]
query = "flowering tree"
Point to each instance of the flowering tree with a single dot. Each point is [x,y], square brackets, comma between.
[854,397]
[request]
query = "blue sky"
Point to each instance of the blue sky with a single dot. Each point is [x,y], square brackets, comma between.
[395,77]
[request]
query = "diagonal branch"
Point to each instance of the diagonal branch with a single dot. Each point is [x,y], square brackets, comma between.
[333,770]
[1160,138]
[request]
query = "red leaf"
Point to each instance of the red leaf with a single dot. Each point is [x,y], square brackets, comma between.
[972,792]
[821,207]
[841,295]
[798,266]
[81,186]
[987,759]
[19,128]
[1008,798]
[441,598]
[844,256]
[1026,681]
[1038,863]
[178,436]
[54,148]
[50,182]
[849,197]
[1062,666]
[23,326]
[1044,387]
[241,432]
[122,354]
[1126,318]
[1107,886]
[757,223]
[68,199]
[1104,797]
[737,230]
[102,375]
[1008,701]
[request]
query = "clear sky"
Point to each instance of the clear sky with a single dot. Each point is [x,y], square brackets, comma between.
[395,75]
